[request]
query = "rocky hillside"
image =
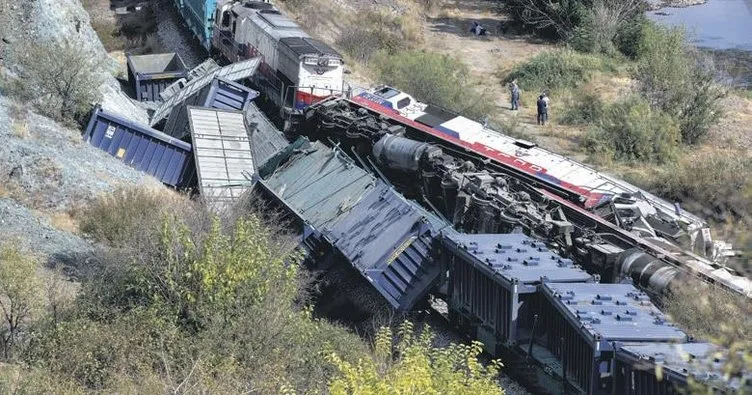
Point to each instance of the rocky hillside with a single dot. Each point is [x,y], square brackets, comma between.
[46,170]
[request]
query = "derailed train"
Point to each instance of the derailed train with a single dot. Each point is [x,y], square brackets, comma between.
[524,296]
[297,71]
[561,329]
[474,191]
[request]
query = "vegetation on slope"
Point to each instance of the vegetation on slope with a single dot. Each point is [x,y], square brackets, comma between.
[182,302]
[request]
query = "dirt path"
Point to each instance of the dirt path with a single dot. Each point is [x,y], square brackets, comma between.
[489,58]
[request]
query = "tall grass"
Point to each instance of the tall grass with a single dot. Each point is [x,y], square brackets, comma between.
[559,69]
[433,78]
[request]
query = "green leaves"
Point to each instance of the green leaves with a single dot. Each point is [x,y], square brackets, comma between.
[412,365]
[20,291]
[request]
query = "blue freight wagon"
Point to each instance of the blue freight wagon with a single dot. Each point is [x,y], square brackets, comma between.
[585,323]
[151,74]
[167,159]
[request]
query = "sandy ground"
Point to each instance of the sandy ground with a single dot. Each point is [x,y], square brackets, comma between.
[489,58]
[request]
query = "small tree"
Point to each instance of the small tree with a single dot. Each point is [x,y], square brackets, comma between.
[678,80]
[603,22]
[59,78]
[19,295]
[418,368]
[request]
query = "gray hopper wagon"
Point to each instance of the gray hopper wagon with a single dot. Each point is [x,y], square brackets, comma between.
[151,74]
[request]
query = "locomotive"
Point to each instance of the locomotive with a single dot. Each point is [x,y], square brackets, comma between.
[296,70]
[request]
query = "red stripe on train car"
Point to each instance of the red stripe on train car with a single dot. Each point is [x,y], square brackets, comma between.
[591,198]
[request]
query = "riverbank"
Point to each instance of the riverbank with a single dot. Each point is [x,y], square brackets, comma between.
[654,5]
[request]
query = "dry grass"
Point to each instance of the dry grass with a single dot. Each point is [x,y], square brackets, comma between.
[5,192]
[115,218]
[708,312]
[63,221]
[20,129]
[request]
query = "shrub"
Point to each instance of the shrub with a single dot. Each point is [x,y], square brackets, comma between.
[604,22]
[433,78]
[121,218]
[560,69]
[678,80]
[711,313]
[632,130]
[551,19]
[419,368]
[376,31]
[721,180]
[19,297]
[58,78]
[596,22]
[587,109]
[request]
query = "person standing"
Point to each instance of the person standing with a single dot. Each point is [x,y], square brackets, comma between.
[542,110]
[515,91]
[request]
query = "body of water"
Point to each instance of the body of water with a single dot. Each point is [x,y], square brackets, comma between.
[717,24]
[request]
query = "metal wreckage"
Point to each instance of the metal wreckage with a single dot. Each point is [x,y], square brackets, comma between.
[549,263]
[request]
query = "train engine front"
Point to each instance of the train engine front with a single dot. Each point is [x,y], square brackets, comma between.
[297,70]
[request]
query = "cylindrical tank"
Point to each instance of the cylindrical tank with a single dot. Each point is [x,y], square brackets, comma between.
[401,153]
[647,271]
[449,195]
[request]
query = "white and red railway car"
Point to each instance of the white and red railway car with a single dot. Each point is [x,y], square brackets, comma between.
[657,221]
[593,187]
[297,70]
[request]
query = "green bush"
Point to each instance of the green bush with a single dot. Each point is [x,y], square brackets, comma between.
[632,130]
[433,78]
[678,80]
[586,109]
[603,25]
[59,79]
[592,25]
[560,69]
[418,368]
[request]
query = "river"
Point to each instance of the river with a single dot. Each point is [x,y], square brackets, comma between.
[724,28]
[717,24]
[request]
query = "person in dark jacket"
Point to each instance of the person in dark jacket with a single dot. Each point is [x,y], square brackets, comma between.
[542,110]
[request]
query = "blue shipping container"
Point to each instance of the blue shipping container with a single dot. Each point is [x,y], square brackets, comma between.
[150,151]
[152,74]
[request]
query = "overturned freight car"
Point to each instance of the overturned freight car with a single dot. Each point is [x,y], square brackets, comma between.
[167,159]
[345,213]
[220,94]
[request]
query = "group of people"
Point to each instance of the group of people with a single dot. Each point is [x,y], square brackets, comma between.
[542,103]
